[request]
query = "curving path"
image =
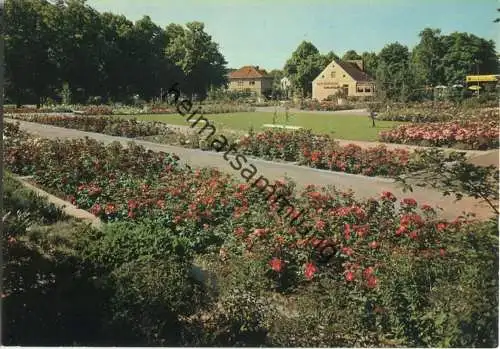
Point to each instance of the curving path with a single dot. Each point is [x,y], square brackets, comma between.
[362,186]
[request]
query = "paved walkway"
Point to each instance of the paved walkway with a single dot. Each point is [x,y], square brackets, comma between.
[362,186]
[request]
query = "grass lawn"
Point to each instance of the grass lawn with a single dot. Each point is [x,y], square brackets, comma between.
[343,126]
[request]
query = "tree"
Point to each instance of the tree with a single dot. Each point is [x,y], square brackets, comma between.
[370,63]
[303,67]
[31,68]
[395,77]
[468,54]
[351,55]
[199,58]
[277,75]
[329,58]
[427,58]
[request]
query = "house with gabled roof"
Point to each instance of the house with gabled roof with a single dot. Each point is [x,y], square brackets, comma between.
[250,79]
[347,77]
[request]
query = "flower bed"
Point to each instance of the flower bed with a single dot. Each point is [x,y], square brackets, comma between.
[323,152]
[101,124]
[324,106]
[437,114]
[479,135]
[211,210]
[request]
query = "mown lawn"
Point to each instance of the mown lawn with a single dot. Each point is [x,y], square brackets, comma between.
[342,126]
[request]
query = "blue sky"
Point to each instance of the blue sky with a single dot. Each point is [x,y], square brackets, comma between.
[266,32]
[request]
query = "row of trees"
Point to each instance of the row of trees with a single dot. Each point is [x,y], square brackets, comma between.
[64,49]
[66,42]
[400,73]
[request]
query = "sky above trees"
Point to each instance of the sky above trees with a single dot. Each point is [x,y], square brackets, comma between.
[265,32]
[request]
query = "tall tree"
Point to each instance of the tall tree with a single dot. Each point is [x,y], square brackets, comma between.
[427,58]
[303,67]
[31,67]
[370,63]
[329,58]
[468,54]
[395,77]
[193,50]
[351,55]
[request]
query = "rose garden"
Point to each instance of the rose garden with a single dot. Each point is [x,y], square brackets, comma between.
[268,219]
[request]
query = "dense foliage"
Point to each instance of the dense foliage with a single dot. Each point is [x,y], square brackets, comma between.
[67,51]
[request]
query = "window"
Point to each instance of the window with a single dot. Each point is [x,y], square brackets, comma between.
[322,76]
[343,75]
[332,75]
[359,89]
[367,89]
[240,83]
[252,82]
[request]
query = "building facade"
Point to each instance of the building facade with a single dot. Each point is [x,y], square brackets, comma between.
[250,79]
[347,77]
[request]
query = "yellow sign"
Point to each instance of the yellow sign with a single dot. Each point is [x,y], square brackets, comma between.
[482,78]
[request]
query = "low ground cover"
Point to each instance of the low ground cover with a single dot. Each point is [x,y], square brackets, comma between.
[390,270]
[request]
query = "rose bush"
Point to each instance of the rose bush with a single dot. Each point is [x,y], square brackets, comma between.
[322,151]
[323,105]
[101,124]
[478,135]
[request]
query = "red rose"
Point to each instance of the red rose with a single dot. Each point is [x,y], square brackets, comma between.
[373,244]
[320,225]
[372,282]
[441,226]
[387,195]
[347,231]
[310,270]
[276,264]
[401,230]
[368,272]
[349,276]
[409,202]
[347,251]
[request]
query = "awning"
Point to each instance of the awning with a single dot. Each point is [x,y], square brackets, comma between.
[482,78]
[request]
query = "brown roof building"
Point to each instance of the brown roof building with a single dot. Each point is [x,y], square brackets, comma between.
[250,78]
[347,77]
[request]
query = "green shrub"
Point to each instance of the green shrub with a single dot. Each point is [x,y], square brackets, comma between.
[149,298]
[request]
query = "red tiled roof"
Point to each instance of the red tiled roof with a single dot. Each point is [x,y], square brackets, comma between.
[353,70]
[248,72]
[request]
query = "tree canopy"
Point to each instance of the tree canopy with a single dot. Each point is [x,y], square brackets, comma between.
[50,44]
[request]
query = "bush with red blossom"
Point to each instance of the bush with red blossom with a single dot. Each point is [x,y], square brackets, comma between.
[477,135]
